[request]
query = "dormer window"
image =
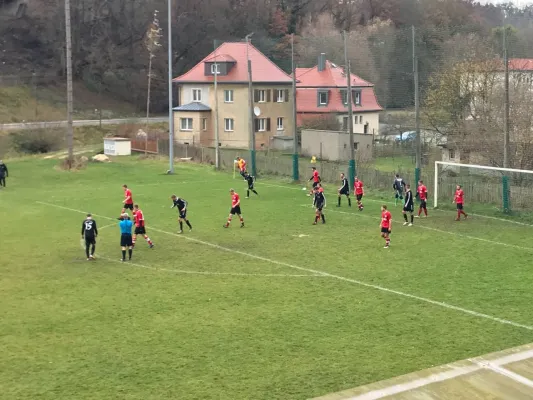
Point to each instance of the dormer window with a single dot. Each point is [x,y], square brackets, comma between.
[356,97]
[215,69]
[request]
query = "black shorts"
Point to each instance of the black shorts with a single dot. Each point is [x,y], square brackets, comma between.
[235,210]
[459,206]
[319,207]
[183,214]
[128,206]
[399,194]
[90,240]
[345,191]
[423,204]
[409,208]
[315,184]
[126,240]
[385,230]
[251,187]
[358,197]
[140,230]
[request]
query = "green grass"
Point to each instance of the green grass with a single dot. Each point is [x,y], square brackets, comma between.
[105,330]
[48,103]
[393,164]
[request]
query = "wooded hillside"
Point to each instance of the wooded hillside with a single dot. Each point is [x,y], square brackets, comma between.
[109,38]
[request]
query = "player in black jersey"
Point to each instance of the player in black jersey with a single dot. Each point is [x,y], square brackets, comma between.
[250,179]
[319,202]
[344,190]
[399,186]
[182,209]
[89,232]
[408,205]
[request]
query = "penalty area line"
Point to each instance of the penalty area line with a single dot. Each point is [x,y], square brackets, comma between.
[338,277]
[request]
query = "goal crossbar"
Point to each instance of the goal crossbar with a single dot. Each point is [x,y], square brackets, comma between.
[474,166]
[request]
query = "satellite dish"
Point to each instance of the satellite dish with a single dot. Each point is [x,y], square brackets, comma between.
[257,111]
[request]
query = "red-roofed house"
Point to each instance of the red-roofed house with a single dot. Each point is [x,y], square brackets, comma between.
[195,116]
[322,91]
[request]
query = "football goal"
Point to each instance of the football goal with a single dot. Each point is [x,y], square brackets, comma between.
[486,188]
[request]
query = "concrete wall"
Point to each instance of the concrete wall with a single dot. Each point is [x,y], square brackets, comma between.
[335,146]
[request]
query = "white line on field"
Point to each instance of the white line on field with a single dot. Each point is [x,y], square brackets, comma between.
[435,209]
[505,372]
[181,271]
[107,226]
[454,372]
[439,230]
[317,272]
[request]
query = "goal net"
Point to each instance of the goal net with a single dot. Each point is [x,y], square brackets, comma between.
[488,190]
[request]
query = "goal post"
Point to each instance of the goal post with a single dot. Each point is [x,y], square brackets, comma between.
[483,185]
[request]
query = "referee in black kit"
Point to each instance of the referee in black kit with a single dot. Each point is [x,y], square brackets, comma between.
[89,231]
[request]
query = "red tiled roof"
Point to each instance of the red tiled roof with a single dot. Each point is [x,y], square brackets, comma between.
[332,76]
[306,101]
[263,70]
[521,64]
[220,58]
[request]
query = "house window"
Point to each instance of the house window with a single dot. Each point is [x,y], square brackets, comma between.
[204,124]
[280,96]
[228,96]
[229,124]
[344,95]
[356,98]
[356,119]
[452,154]
[261,96]
[345,123]
[261,124]
[323,98]
[215,69]
[365,131]
[280,123]
[197,95]
[186,124]
[360,119]
[355,145]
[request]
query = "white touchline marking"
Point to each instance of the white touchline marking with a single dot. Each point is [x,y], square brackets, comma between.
[317,272]
[107,226]
[181,271]
[505,372]
[447,232]
[436,230]
[455,372]
[434,209]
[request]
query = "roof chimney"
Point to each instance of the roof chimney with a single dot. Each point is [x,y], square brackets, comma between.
[321,62]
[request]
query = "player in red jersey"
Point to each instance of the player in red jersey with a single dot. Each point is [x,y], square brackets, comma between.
[422,193]
[459,199]
[316,180]
[386,225]
[128,200]
[235,208]
[140,228]
[359,192]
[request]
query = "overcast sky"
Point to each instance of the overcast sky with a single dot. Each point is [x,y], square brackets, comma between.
[516,2]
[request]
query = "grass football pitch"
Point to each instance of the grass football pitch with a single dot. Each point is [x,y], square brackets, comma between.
[280,309]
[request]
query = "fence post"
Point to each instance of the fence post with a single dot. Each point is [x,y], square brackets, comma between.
[506,197]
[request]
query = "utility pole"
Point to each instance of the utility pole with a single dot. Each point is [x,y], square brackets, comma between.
[70,128]
[351,164]
[506,140]
[217,137]
[170,97]
[251,105]
[418,143]
[295,164]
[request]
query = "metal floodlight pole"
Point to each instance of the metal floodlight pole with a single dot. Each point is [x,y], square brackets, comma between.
[251,105]
[295,164]
[351,164]
[170,97]
[418,143]
[70,128]
[217,137]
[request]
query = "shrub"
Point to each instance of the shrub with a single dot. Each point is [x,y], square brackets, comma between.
[36,141]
